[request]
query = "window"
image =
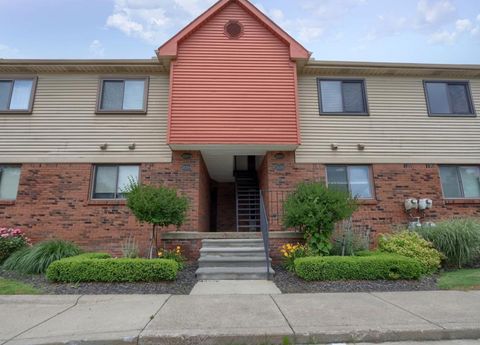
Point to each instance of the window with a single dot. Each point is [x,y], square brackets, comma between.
[461,182]
[354,179]
[448,98]
[16,95]
[111,180]
[123,95]
[9,179]
[342,97]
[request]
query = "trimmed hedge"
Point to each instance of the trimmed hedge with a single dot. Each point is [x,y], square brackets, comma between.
[366,267]
[99,267]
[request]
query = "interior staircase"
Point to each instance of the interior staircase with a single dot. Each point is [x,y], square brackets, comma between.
[233,259]
[248,201]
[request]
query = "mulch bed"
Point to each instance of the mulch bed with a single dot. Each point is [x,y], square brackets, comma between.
[288,282]
[182,286]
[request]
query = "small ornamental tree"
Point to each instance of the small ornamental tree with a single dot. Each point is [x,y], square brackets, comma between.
[314,209]
[158,206]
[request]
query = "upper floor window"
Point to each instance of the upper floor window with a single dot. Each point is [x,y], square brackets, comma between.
[355,179]
[110,181]
[460,182]
[9,180]
[342,97]
[16,95]
[448,98]
[123,95]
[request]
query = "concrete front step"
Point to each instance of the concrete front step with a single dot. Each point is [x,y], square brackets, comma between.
[232,273]
[227,243]
[232,261]
[233,251]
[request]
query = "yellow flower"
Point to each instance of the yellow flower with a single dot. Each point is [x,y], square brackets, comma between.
[286,255]
[178,247]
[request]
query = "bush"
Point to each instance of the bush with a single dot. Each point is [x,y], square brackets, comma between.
[157,206]
[368,267]
[458,239]
[291,252]
[36,259]
[175,254]
[314,209]
[349,240]
[98,267]
[412,245]
[11,240]
[130,248]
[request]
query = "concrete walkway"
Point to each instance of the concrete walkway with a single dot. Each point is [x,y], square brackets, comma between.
[235,287]
[240,319]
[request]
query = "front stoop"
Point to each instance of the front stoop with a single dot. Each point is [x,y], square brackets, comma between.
[232,259]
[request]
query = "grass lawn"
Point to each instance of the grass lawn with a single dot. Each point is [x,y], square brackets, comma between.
[12,287]
[466,279]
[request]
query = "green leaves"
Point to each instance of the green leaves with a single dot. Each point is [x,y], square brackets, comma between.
[370,267]
[97,267]
[458,239]
[412,245]
[315,209]
[36,259]
[156,205]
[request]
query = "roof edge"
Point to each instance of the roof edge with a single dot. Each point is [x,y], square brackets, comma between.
[169,49]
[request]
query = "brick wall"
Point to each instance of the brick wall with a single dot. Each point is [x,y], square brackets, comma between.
[393,183]
[53,202]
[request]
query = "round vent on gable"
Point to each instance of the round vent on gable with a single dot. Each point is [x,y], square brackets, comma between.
[233,29]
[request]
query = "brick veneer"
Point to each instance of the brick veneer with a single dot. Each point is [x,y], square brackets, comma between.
[53,202]
[393,183]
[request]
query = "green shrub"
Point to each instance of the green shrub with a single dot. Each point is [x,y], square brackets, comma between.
[291,252]
[347,240]
[130,248]
[369,267]
[98,267]
[412,245]
[11,240]
[36,259]
[175,254]
[458,239]
[314,209]
[158,206]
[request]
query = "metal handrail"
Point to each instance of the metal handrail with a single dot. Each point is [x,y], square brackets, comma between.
[265,234]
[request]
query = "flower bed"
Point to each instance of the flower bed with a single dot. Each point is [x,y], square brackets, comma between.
[99,267]
[10,241]
[368,267]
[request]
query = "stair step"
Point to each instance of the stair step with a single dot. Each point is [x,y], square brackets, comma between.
[233,251]
[232,261]
[232,273]
[243,243]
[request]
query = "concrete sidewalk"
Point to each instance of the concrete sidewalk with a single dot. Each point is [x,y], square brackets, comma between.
[240,319]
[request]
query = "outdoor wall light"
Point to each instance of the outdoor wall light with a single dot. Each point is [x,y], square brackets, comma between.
[186,155]
[279,155]
[132,146]
[361,147]
[334,147]
[103,147]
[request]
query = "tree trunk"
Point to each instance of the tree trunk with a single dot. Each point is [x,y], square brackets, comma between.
[153,242]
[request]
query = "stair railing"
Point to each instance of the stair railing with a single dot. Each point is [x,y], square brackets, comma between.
[265,234]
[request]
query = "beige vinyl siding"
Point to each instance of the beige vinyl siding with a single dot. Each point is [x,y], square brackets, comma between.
[64,127]
[398,129]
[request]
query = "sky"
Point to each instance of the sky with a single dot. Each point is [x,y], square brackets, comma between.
[428,31]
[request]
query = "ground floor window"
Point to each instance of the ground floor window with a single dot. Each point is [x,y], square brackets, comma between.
[355,179]
[460,181]
[9,180]
[110,181]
